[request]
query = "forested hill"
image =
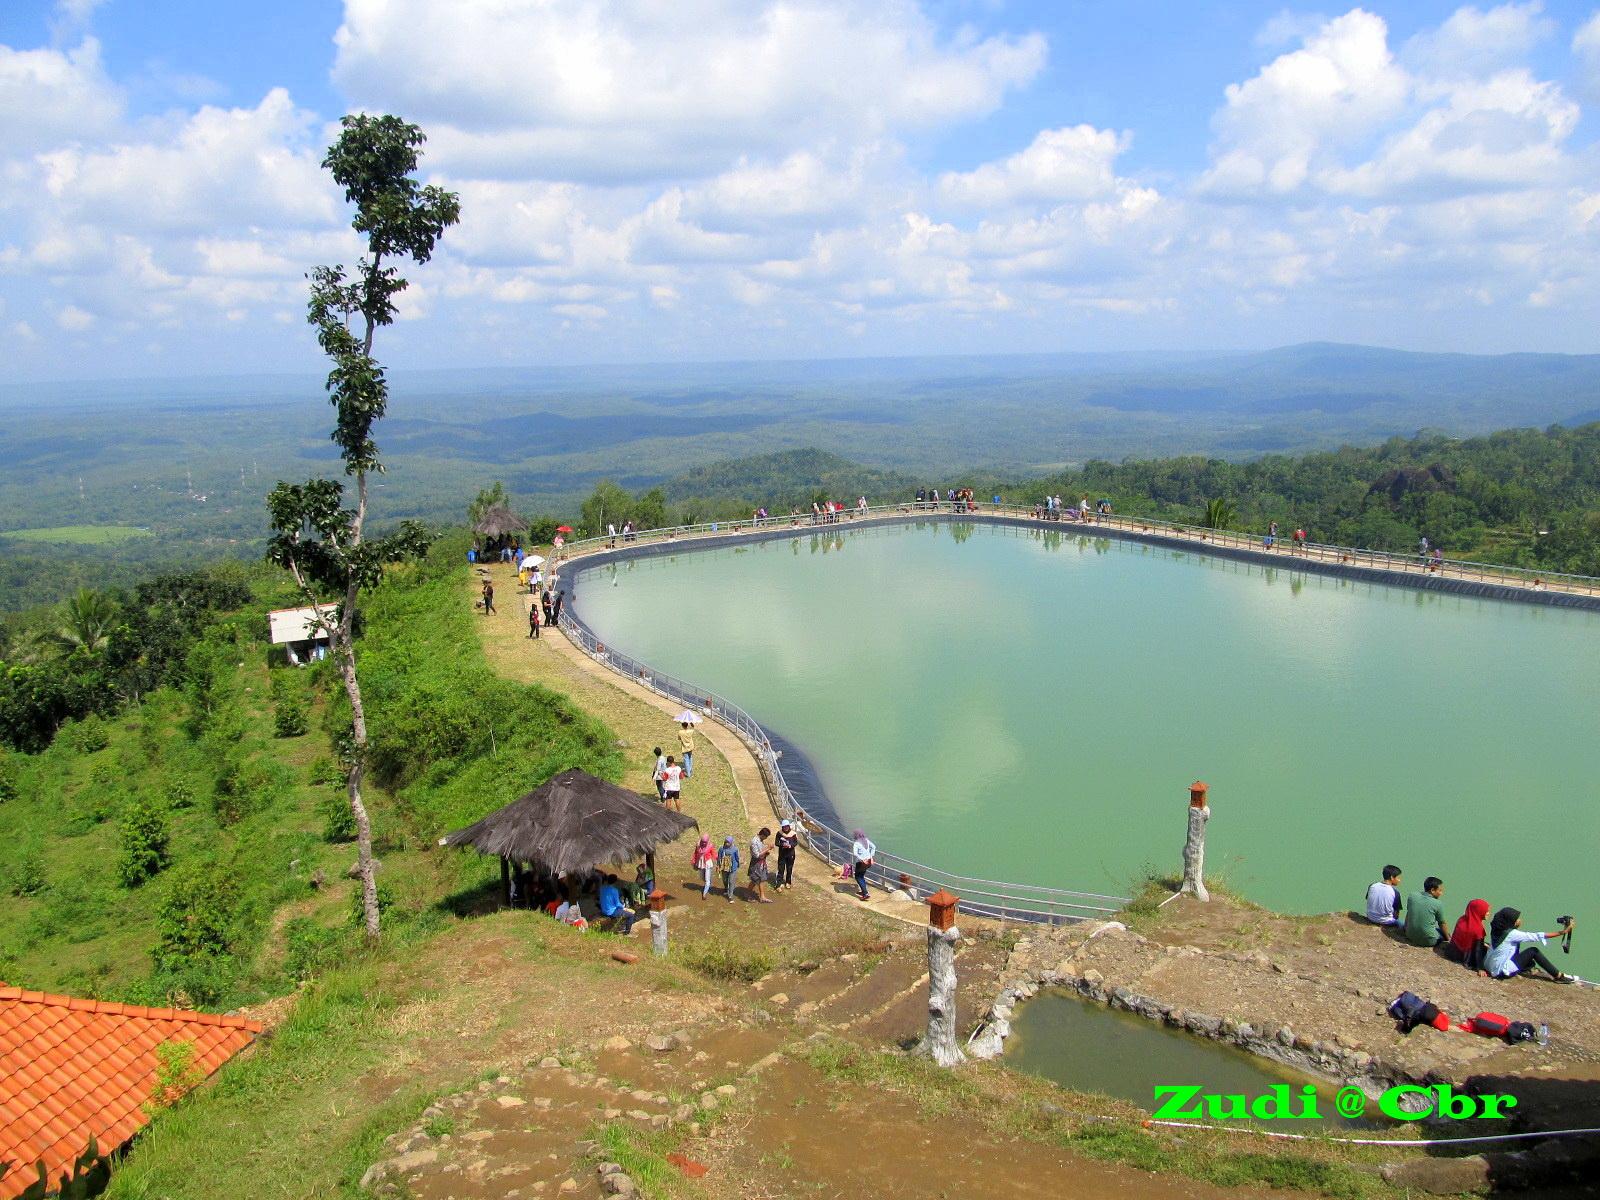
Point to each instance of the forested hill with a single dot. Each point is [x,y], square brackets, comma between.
[1522,496]
[790,477]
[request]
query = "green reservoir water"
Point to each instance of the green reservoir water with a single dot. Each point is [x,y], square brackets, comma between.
[1028,705]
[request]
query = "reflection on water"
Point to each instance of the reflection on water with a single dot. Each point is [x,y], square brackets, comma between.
[1089,1047]
[1032,705]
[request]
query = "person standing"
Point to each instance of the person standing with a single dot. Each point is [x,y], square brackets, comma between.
[686,743]
[863,852]
[728,866]
[704,860]
[788,841]
[544,603]
[488,597]
[659,774]
[533,621]
[555,608]
[672,785]
[759,871]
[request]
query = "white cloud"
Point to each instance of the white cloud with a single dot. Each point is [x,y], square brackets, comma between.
[1586,47]
[616,90]
[1333,91]
[1474,41]
[74,319]
[1073,163]
[48,97]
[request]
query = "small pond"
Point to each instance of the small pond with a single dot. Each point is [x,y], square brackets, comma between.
[1089,1047]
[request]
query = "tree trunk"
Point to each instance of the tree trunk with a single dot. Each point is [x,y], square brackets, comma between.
[345,652]
[942,1044]
[1194,855]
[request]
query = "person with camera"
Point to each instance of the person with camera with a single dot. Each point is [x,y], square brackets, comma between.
[1512,950]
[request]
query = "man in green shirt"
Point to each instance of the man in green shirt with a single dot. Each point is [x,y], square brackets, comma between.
[1425,915]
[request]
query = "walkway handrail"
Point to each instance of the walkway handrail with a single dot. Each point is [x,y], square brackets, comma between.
[982,897]
[1410,565]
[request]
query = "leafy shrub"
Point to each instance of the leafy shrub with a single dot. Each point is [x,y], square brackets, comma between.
[177,1074]
[180,793]
[143,838]
[9,784]
[324,771]
[243,787]
[290,719]
[338,822]
[308,946]
[195,920]
[28,877]
[88,735]
[727,960]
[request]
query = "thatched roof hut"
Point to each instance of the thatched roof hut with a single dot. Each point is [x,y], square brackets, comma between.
[573,822]
[499,521]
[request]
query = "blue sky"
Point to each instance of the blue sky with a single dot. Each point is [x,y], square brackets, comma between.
[721,179]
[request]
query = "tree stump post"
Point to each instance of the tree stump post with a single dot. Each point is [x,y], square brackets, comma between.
[941,1042]
[1194,845]
[658,923]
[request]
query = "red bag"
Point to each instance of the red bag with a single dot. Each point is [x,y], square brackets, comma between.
[1488,1024]
[1442,1022]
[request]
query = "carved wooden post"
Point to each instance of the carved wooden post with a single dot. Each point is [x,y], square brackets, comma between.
[658,923]
[1194,846]
[942,938]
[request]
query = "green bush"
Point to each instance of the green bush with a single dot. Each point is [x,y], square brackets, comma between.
[144,841]
[309,946]
[180,793]
[243,787]
[88,735]
[28,877]
[338,822]
[325,772]
[9,783]
[195,920]
[290,719]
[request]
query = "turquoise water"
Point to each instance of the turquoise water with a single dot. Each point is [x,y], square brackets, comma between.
[1025,705]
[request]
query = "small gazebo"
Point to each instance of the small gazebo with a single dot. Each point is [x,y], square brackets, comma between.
[498,522]
[571,823]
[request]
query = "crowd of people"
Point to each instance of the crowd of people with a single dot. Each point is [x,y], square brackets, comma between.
[959,499]
[1499,951]
[1052,508]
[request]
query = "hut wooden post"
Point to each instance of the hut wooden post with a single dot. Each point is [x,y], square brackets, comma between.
[505,880]
[1194,845]
[658,923]
[943,935]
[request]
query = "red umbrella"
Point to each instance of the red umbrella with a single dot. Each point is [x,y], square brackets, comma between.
[563,528]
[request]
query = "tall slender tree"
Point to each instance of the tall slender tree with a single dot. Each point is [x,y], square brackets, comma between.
[315,536]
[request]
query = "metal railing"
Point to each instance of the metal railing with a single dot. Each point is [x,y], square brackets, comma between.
[1403,566]
[981,897]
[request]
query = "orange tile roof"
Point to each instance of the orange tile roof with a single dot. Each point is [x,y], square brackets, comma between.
[72,1068]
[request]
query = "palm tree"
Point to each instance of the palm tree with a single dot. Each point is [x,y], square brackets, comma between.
[86,622]
[1220,514]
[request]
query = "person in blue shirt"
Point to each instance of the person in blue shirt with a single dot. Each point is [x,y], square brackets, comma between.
[611,905]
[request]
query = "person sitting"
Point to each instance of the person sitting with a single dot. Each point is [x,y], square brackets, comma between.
[1383,899]
[1511,950]
[568,913]
[1424,922]
[1466,945]
[611,906]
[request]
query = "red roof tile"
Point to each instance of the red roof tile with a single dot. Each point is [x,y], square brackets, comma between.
[73,1068]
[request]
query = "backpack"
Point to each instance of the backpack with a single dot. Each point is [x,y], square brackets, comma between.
[1488,1024]
[1520,1031]
[725,859]
[1411,1010]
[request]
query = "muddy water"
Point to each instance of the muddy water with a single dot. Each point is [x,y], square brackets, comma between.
[1091,1048]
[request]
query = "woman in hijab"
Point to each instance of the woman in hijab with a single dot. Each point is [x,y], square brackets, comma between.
[1512,950]
[705,861]
[1466,945]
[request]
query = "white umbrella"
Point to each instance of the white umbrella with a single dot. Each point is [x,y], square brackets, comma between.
[532,560]
[687,717]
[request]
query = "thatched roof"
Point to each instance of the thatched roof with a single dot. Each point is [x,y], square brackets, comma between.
[574,822]
[498,520]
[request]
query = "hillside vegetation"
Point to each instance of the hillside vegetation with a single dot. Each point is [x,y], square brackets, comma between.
[188,844]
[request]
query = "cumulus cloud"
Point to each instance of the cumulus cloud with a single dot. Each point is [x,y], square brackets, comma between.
[616,90]
[1586,48]
[48,97]
[1474,41]
[1073,163]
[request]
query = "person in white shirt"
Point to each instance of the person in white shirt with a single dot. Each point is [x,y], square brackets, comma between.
[1512,950]
[660,774]
[863,851]
[1383,899]
[672,785]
